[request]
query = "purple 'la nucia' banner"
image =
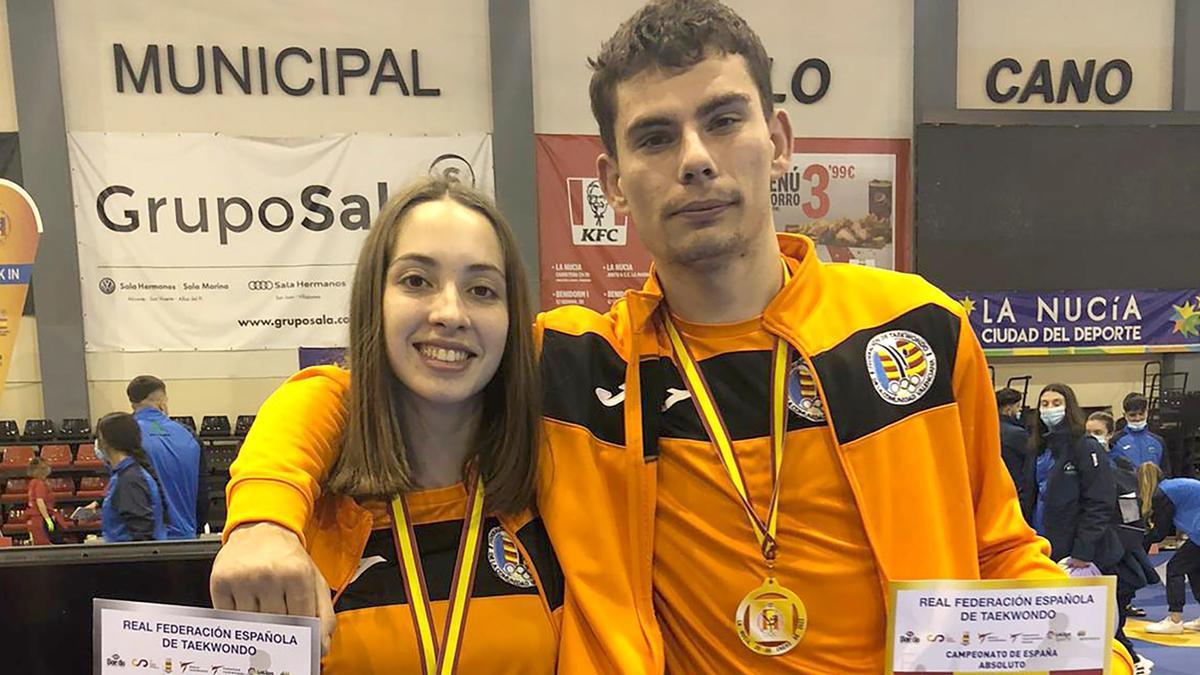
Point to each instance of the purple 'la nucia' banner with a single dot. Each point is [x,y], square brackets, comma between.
[1023,323]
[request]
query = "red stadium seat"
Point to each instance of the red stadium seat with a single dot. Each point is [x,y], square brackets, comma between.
[57,455]
[85,457]
[18,456]
[16,491]
[6,542]
[92,486]
[61,487]
[16,522]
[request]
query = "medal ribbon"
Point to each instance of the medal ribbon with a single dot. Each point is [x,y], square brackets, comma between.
[718,432]
[435,660]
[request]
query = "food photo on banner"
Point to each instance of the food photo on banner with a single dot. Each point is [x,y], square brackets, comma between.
[212,242]
[849,195]
[1085,322]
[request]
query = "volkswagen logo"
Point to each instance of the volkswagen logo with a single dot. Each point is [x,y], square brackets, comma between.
[453,168]
[108,286]
[259,285]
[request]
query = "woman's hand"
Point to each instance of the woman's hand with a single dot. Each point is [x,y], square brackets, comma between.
[263,568]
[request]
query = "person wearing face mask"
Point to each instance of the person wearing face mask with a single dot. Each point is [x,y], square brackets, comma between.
[133,509]
[1077,500]
[1130,527]
[1100,427]
[1136,442]
[1014,449]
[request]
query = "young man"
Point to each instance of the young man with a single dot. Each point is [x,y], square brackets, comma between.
[1014,449]
[1136,442]
[175,454]
[838,432]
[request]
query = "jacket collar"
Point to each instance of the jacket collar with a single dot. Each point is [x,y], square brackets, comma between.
[800,293]
[122,465]
[148,413]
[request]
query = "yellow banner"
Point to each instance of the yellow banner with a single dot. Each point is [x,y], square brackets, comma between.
[20,228]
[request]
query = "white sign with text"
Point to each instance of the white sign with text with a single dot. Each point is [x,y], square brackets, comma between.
[136,637]
[1001,626]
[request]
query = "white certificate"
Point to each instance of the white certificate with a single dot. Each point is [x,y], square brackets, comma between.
[131,637]
[1001,626]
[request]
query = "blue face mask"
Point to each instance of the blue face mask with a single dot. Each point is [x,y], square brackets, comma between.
[1052,417]
[99,453]
[1137,426]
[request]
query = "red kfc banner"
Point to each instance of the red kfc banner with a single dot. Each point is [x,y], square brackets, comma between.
[589,256]
[851,196]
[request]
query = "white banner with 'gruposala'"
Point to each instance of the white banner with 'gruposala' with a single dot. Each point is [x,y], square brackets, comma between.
[207,242]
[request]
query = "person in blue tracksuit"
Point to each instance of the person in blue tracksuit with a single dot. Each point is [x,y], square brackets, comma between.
[1174,502]
[1135,442]
[175,454]
[133,509]
[1014,450]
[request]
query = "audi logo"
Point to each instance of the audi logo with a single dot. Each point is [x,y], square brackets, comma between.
[259,285]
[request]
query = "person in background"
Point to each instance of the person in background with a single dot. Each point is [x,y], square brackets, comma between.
[1014,448]
[45,522]
[1078,499]
[1135,442]
[1166,503]
[1100,427]
[134,508]
[176,456]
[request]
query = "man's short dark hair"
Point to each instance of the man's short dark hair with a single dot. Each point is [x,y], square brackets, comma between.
[673,35]
[1007,396]
[141,387]
[1135,403]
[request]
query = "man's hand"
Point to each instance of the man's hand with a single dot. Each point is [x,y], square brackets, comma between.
[263,568]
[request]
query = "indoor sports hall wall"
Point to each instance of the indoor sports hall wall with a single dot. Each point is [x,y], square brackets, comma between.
[138,113]
[452,47]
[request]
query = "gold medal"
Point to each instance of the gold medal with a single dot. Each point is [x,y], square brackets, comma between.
[771,619]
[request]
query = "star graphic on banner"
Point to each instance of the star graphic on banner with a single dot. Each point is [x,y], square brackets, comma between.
[968,304]
[1187,319]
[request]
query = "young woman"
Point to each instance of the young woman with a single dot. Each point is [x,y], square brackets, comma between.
[45,523]
[1100,427]
[133,508]
[422,532]
[1077,500]
[1165,503]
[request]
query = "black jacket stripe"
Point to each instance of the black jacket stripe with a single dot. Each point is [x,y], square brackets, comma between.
[854,404]
[582,376]
[438,545]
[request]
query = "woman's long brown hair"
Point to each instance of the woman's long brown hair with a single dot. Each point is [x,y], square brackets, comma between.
[374,462]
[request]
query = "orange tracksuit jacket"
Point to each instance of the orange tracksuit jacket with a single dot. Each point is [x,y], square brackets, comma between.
[927,477]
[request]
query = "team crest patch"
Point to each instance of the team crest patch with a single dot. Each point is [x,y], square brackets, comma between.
[506,560]
[802,393]
[902,366]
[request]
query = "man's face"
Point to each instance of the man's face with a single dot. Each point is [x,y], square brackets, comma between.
[1135,417]
[695,159]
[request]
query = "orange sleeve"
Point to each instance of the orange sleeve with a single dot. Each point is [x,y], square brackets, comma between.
[1008,547]
[292,445]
